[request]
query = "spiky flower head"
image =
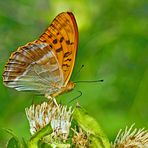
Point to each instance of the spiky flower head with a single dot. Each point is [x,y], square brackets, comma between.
[131,138]
[61,122]
[57,115]
[80,139]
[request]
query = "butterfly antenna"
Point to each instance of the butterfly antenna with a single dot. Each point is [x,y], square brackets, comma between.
[75,97]
[88,81]
[78,71]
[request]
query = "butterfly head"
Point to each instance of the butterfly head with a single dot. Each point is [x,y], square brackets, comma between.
[70,86]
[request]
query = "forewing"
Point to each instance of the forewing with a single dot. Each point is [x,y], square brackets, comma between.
[62,37]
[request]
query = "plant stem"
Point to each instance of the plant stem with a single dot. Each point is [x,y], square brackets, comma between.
[33,142]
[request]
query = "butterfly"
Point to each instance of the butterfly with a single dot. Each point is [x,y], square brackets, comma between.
[46,64]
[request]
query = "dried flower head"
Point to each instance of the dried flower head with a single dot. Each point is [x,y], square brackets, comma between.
[61,122]
[80,139]
[59,116]
[131,138]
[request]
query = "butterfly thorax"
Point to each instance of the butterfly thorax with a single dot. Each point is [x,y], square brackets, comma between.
[70,85]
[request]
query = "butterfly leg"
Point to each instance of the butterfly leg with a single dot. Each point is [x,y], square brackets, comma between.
[56,94]
[51,98]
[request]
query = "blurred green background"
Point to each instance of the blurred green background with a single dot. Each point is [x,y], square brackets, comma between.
[113,45]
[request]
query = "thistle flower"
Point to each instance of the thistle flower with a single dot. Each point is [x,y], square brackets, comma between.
[57,115]
[80,139]
[131,138]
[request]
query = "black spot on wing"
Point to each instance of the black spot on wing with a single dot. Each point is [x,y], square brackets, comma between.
[66,54]
[50,36]
[55,41]
[50,45]
[59,49]
[67,60]
[61,39]
[66,65]
[68,42]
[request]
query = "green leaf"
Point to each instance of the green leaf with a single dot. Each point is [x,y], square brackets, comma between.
[24,143]
[54,144]
[90,125]
[13,143]
[9,132]
[33,142]
[45,145]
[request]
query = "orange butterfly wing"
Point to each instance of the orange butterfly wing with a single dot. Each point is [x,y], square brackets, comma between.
[62,36]
[45,65]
